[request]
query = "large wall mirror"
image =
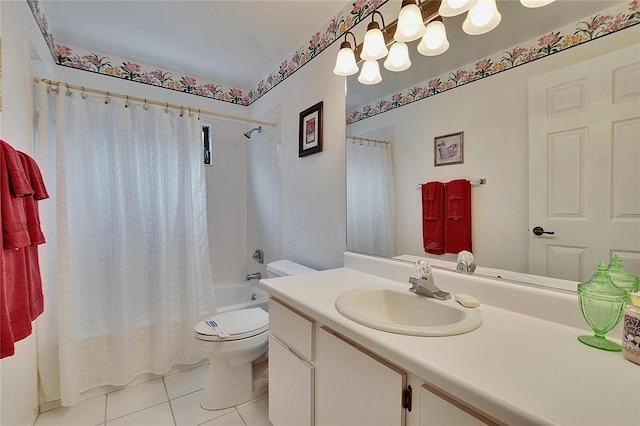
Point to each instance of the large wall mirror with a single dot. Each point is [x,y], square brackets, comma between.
[534,133]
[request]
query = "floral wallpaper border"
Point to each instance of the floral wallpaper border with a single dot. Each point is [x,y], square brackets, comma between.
[77,58]
[616,18]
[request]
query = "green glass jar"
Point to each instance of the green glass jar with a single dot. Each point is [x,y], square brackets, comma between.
[602,304]
[620,276]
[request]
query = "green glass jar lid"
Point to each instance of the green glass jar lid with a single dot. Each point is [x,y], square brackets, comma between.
[620,276]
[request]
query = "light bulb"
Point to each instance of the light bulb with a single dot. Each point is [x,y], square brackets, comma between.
[482,18]
[346,61]
[535,3]
[454,7]
[398,59]
[373,47]
[457,4]
[410,23]
[434,42]
[370,73]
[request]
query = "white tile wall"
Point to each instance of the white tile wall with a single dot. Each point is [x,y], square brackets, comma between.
[227,201]
[264,203]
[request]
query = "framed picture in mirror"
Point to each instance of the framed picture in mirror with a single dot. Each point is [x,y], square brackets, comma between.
[448,149]
[310,130]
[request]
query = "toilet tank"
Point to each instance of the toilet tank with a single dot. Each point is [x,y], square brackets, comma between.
[284,267]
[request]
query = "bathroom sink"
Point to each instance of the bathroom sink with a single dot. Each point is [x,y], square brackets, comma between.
[399,311]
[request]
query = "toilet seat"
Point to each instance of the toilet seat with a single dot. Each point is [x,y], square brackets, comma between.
[238,325]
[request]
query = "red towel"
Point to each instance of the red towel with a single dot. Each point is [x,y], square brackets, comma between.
[457,227]
[21,299]
[433,217]
[32,263]
[14,186]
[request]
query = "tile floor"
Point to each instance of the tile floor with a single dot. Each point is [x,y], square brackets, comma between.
[173,400]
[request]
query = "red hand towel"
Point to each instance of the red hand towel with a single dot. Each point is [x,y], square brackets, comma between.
[15,312]
[433,217]
[457,227]
[32,264]
[14,186]
[21,299]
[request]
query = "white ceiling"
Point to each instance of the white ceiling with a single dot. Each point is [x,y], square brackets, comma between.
[238,43]
[235,43]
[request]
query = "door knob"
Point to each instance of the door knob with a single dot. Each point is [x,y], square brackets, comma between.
[538,230]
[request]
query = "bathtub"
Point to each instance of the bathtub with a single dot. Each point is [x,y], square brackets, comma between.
[231,297]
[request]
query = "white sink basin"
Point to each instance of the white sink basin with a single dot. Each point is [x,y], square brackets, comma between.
[399,311]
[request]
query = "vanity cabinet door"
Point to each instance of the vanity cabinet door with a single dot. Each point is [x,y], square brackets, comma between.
[353,387]
[438,408]
[290,386]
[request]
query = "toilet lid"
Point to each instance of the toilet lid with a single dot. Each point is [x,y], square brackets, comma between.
[234,325]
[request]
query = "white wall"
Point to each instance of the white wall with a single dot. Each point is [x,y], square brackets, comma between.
[20,34]
[314,188]
[493,114]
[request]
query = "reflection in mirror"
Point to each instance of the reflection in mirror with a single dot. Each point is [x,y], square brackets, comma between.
[512,140]
[370,203]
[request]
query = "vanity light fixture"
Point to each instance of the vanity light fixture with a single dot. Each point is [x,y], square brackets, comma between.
[482,18]
[434,42]
[370,73]
[535,3]
[410,22]
[398,58]
[374,46]
[346,60]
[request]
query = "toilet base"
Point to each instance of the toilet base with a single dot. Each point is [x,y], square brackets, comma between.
[232,381]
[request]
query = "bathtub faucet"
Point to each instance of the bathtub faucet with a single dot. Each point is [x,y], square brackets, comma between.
[256,276]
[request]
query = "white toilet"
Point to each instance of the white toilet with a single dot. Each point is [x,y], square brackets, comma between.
[236,343]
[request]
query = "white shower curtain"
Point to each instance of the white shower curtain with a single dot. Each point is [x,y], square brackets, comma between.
[370,198]
[126,269]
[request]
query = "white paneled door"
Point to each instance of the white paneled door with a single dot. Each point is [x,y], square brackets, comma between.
[584,166]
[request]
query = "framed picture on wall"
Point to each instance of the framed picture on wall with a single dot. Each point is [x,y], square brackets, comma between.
[448,149]
[310,130]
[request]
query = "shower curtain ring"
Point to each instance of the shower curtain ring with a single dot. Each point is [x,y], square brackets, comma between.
[68,92]
[127,102]
[83,94]
[145,106]
[166,109]
[107,98]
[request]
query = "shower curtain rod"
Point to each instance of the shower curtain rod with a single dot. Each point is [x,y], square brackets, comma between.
[149,101]
[355,138]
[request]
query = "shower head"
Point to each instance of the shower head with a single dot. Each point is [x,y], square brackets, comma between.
[248,134]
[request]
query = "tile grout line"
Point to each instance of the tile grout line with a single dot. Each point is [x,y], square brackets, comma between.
[106,401]
[166,391]
[240,414]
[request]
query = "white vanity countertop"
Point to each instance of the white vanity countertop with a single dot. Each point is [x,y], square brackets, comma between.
[519,368]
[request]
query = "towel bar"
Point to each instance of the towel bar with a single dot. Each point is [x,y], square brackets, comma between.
[474,182]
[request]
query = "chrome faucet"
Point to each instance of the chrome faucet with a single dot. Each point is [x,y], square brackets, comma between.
[425,285]
[466,262]
[255,276]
